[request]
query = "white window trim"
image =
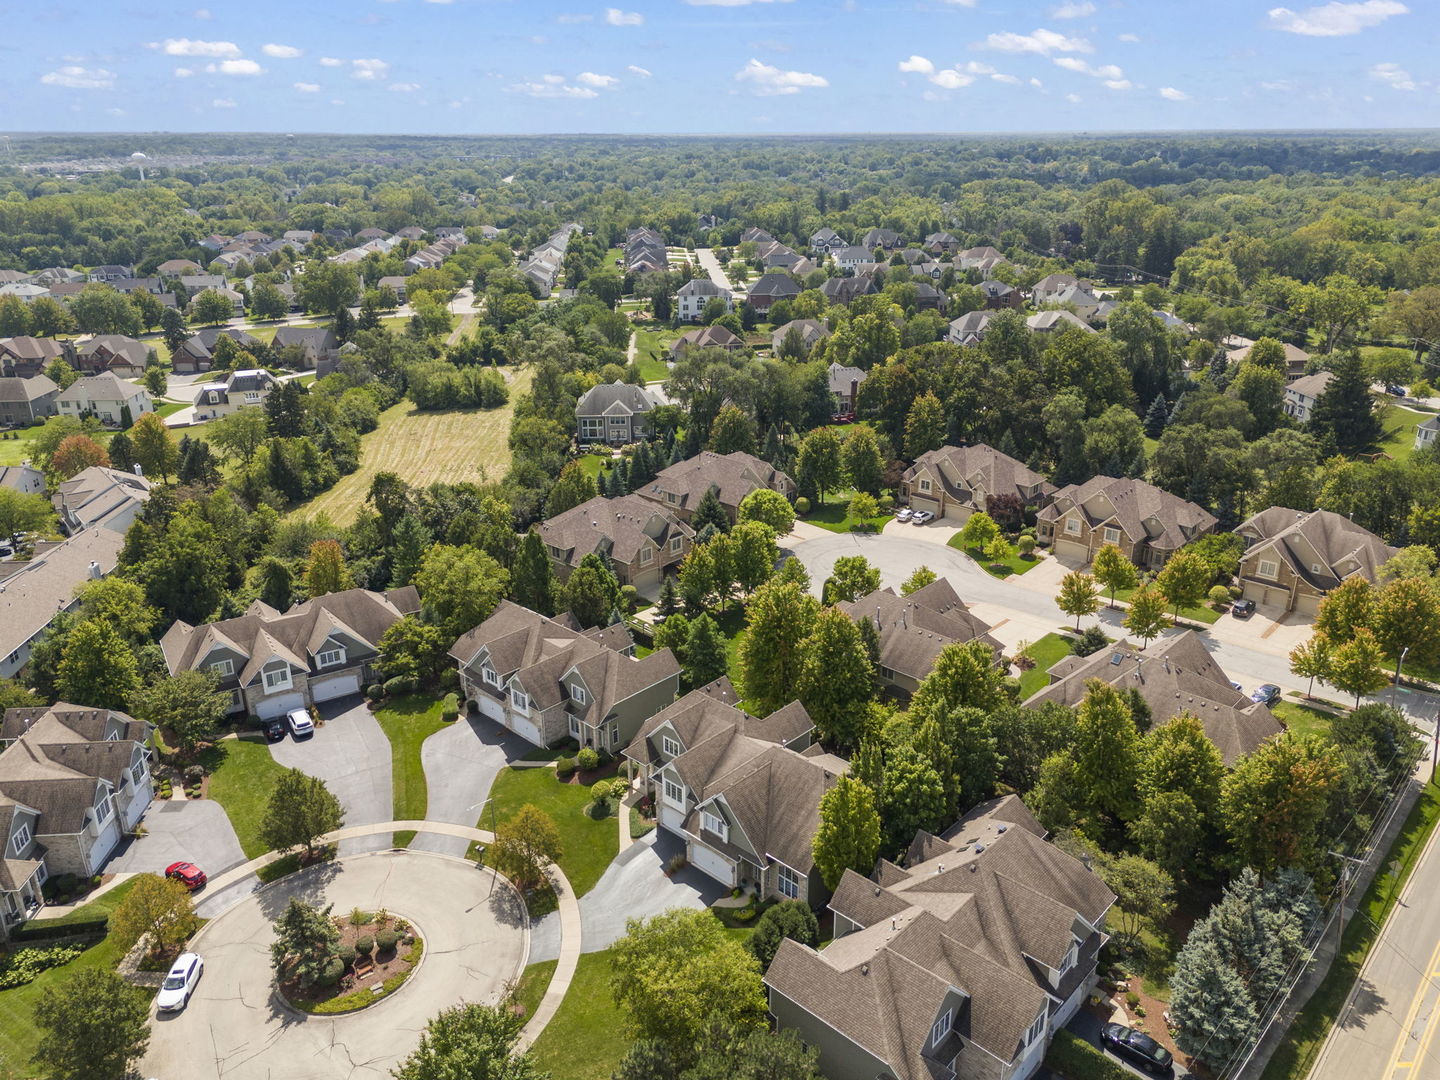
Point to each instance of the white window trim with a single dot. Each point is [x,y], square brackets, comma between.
[104,810]
[1268,569]
[1112,534]
[520,701]
[490,676]
[223,667]
[674,793]
[574,725]
[668,746]
[337,656]
[1036,1031]
[21,840]
[676,543]
[942,1027]
[578,695]
[1072,957]
[714,823]
[925,485]
[787,882]
[281,680]
[1072,526]
[647,556]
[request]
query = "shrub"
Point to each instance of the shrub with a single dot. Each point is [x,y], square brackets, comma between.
[601,791]
[374,692]
[1026,544]
[25,965]
[587,758]
[386,940]
[1132,998]
[450,709]
[802,505]
[885,501]
[1219,594]
[629,599]
[1070,1055]
[398,685]
[334,968]
[1091,640]
[358,917]
[365,946]
[346,954]
[565,767]
[789,918]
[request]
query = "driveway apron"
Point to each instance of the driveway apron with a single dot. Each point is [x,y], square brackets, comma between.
[461,762]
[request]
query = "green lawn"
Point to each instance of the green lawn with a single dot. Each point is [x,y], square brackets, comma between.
[590,464]
[100,908]
[1296,1054]
[1013,564]
[533,983]
[1047,651]
[1399,438]
[169,408]
[588,845]
[585,1039]
[242,776]
[408,722]
[834,514]
[1202,613]
[652,348]
[1301,718]
[15,445]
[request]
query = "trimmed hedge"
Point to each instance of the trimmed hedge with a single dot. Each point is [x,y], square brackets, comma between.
[1073,1057]
[40,931]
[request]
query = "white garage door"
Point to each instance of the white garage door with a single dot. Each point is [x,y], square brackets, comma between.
[105,844]
[336,687]
[490,708]
[279,706]
[672,817]
[712,863]
[1072,551]
[526,729]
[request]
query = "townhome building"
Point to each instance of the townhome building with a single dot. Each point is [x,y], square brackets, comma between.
[107,397]
[197,354]
[1293,559]
[680,487]
[642,539]
[25,479]
[915,629]
[547,680]
[121,356]
[954,482]
[33,592]
[100,496]
[1146,523]
[25,357]
[26,401]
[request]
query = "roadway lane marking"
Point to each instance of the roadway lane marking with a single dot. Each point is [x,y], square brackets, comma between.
[1407,1029]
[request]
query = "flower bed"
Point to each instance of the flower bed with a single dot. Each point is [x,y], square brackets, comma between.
[380,952]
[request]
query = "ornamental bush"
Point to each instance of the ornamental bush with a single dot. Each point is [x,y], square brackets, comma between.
[386,940]
[333,970]
[587,758]
[365,946]
[802,505]
[565,767]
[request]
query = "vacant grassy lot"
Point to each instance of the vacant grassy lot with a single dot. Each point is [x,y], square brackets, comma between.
[652,349]
[408,722]
[1046,652]
[242,776]
[451,445]
[588,844]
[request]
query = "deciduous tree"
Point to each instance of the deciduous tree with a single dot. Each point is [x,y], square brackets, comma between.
[770,507]
[1273,802]
[851,578]
[849,834]
[156,906]
[779,618]
[1114,571]
[154,447]
[93,1026]
[187,706]
[1146,617]
[22,512]
[459,587]
[819,464]
[525,845]
[470,1042]
[325,569]
[1078,595]
[98,667]
[1183,581]
[836,679]
[1355,666]
[300,811]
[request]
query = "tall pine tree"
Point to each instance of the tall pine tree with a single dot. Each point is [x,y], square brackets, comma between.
[532,581]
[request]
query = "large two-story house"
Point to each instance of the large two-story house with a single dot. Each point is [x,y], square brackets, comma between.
[1293,559]
[680,487]
[26,401]
[107,397]
[73,780]
[121,356]
[954,482]
[547,680]
[695,294]
[100,496]
[1147,524]
[962,964]
[616,413]
[270,663]
[198,352]
[242,389]
[743,793]
[25,357]
[1302,394]
[642,539]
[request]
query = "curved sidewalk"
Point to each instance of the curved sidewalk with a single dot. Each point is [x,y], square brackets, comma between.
[569,906]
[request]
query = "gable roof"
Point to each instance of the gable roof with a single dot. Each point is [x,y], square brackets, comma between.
[32,595]
[106,386]
[915,628]
[1311,386]
[811,331]
[619,526]
[27,390]
[614,399]
[94,494]
[966,471]
[1173,675]
[38,350]
[702,286]
[775,286]
[705,337]
[1142,511]
[733,475]
[1333,543]
[127,348]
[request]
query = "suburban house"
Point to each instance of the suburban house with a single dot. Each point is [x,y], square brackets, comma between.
[1294,559]
[111,272]
[26,401]
[270,663]
[705,337]
[915,628]
[977,257]
[969,329]
[851,257]
[242,389]
[941,243]
[888,239]
[999,295]
[930,298]
[1174,675]
[642,539]
[755,235]
[680,487]
[121,356]
[1302,394]
[32,593]
[845,386]
[73,781]
[100,496]
[395,283]
[197,354]
[1147,524]
[26,357]
[811,331]
[1079,299]
[955,481]
[176,267]
[770,289]
[844,290]
[826,241]
[1296,359]
[107,397]
[22,478]
[316,343]
[645,251]
[962,964]
[1047,322]
[616,413]
[547,680]
[695,294]
[1425,434]
[1049,288]
[28,291]
[741,792]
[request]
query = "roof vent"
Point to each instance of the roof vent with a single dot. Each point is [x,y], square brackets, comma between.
[979,848]
[1001,827]
[864,969]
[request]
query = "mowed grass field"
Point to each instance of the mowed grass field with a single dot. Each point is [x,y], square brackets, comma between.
[423,448]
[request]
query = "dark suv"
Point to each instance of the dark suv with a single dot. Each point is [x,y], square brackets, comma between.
[1138,1047]
[1242,609]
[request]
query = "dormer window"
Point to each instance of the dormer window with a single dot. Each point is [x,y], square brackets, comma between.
[490,675]
[713,823]
[223,667]
[21,840]
[669,746]
[1037,1030]
[578,695]
[1072,957]
[519,700]
[278,679]
[102,808]
[942,1027]
[330,657]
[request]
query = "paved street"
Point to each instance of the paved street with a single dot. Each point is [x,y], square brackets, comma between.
[461,761]
[352,755]
[235,1026]
[711,265]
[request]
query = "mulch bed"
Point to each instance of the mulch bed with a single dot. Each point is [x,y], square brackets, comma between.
[364,974]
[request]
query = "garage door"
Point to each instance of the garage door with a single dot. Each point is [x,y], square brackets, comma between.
[712,863]
[526,729]
[105,844]
[1072,551]
[1307,604]
[490,708]
[1255,591]
[672,817]
[335,687]
[957,512]
[279,706]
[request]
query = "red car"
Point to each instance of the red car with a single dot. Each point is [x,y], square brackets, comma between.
[188,874]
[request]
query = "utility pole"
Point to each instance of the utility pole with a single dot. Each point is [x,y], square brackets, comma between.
[1395,686]
[1346,876]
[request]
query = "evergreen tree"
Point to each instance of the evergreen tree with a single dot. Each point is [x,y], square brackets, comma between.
[1156,417]
[669,602]
[870,637]
[1345,410]
[532,581]
[325,570]
[276,582]
[774,451]
[1007,444]
[709,511]
[407,551]
[592,591]
[344,325]
[704,653]
[572,488]
[122,452]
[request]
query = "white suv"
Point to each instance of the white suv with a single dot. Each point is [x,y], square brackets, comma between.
[299,722]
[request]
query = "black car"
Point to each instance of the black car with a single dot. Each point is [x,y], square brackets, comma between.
[1397,391]
[1268,694]
[1242,609]
[1136,1046]
[274,729]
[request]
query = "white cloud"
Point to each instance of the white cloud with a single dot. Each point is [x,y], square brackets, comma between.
[235,67]
[768,80]
[1335,19]
[79,78]
[1073,99]
[549,88]
[731,3]
[974,67]
[1073,9]
[280,52]
[599,82]
[1393,76]
[223,103]
[946,78]
[918,65]
[950,79]
[1000,77]
[184,72]
[1169,93]
[308,87]
[1129,39]
[404,87]
[636,69]
[616,17]
[337,101]
[369,69]
[330,61]
[1036,82]
[1110,74]
[203,13]
[961,3]
[1118,84]
[1041,41]
[186,47]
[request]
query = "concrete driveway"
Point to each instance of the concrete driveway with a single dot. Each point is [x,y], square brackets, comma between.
[461,762]
[196,831]
[235,1026]
[352,755]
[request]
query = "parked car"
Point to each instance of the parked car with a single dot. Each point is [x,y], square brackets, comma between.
[188,874]
[1242,609]
[1136,1046]
[1267,694]
[904,514]
[920,517]
[299,722]
[1397,391]
[180,983]
[274,729]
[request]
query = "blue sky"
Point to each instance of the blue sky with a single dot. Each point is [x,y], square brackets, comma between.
[746,66]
